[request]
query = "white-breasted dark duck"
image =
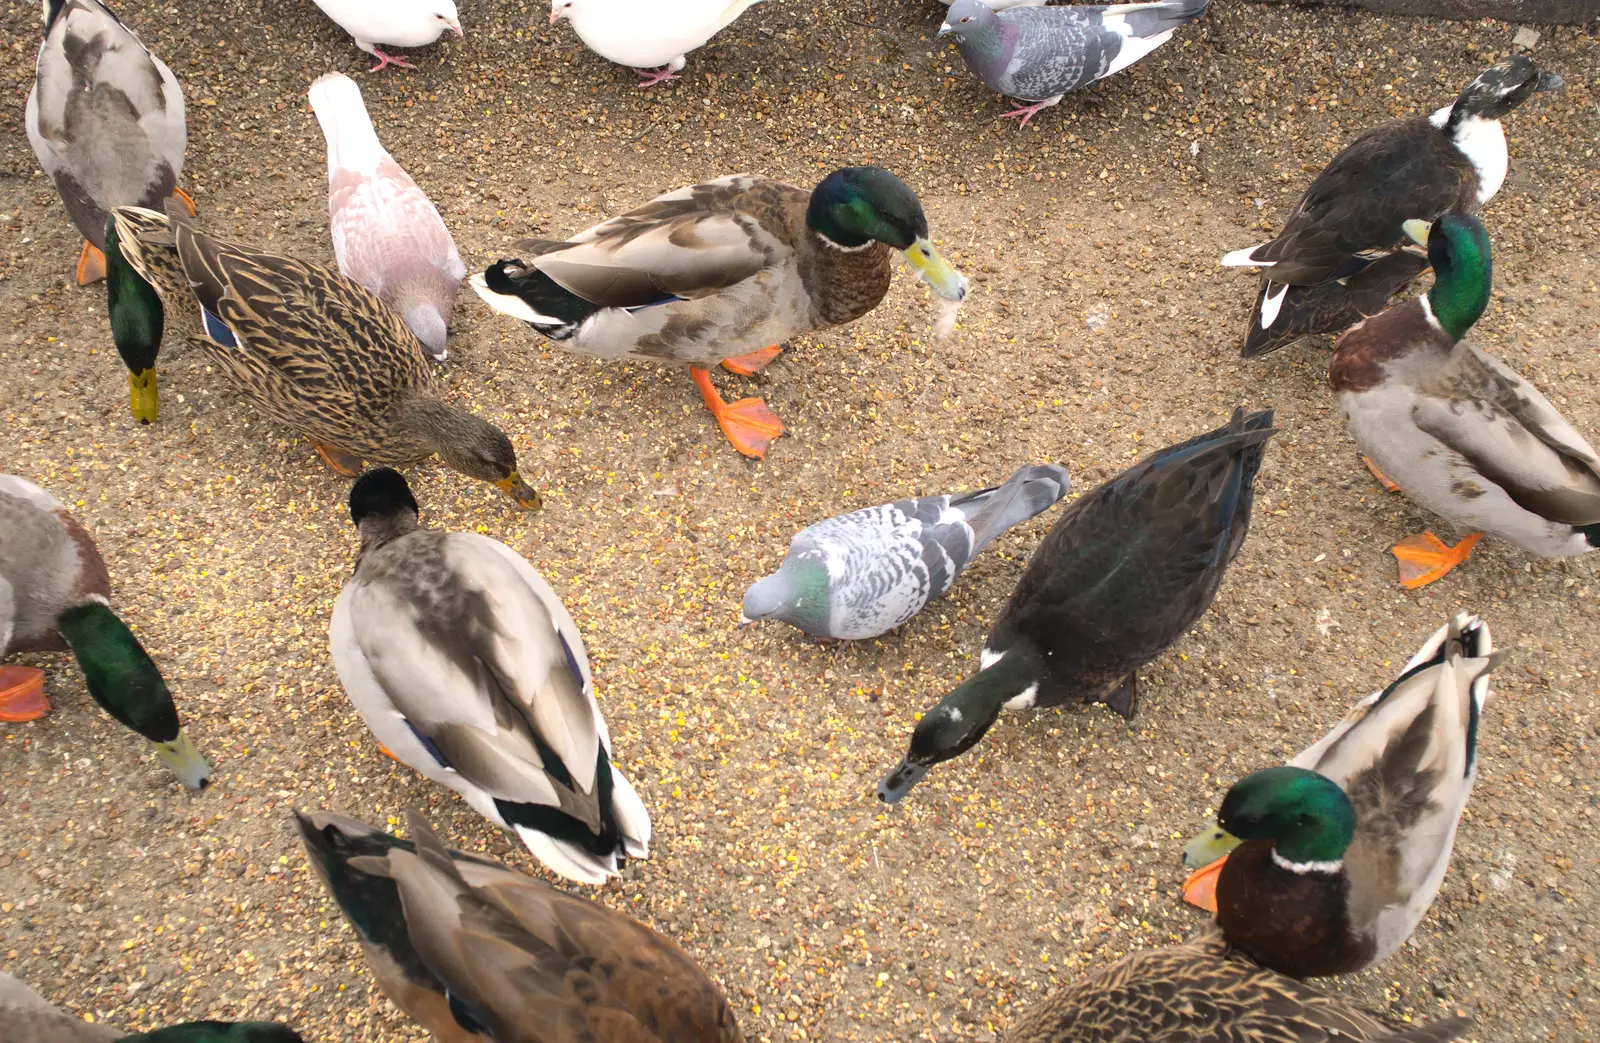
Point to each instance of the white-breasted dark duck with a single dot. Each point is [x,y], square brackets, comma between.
[1124,572]
[723,271]
[1327,864]
[1342,253]
[106,119]
[55,595]
[468,669]
[1457,430]
[479,953]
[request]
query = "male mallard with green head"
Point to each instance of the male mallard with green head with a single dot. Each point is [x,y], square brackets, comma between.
[309,347]
[106,119]
[723,271]
[1325,865]
[1457,430]
[54,596]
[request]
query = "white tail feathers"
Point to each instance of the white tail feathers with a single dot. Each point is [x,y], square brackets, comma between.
[352,143]
[632,817]
[505,304]
[1242,259]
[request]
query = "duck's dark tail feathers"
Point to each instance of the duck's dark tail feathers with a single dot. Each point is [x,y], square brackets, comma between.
[1028,492]
[526,293]
[1329,307]
[1150,19]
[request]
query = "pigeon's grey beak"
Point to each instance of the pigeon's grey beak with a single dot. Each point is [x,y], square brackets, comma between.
[936,271]
[555,14]
[944,28]
[1548,81]
[745,621]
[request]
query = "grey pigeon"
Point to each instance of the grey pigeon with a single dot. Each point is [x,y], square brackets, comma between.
[1037,53]
[864,573]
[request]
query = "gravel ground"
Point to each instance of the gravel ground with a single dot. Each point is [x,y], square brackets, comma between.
[1100,327]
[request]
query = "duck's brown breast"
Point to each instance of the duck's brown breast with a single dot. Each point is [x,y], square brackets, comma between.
[1294,923]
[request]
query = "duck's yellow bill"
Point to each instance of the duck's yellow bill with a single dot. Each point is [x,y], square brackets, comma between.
[525,495]
[185,761]
[1417,231]
[142,398]
[934,270]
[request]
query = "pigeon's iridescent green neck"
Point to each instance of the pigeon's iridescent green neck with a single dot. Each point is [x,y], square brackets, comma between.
[985,41]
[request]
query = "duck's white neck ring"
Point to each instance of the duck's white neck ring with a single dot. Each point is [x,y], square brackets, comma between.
[841,248]
[1302,868]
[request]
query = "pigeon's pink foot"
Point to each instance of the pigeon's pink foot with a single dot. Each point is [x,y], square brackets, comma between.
[655,76]
[1027,112]
[389,59]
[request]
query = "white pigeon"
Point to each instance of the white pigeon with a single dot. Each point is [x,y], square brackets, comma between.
[387,236]
[652,36]
[398,23]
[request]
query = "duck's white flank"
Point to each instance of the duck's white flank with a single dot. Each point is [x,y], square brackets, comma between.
[1484,143]
[1024,699]
[988,658]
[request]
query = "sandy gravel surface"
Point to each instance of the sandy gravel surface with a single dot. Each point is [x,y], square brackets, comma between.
[1100,327]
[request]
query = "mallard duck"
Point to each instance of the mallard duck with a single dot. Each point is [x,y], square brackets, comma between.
[25,1017]
[387,235]
[477,952]
[1456,429]
[468,669]
[1202,992]
[1124,572]
[105,117]
[1037,53]
[651,37]
[399,23]
[1325,865]
[1349,219]
[858,575]
[715,271]
[55,595]
[312,349]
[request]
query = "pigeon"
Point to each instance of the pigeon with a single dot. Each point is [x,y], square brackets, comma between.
[862,574]
[1039,53]
[652,36]
[387,236]
[399,23]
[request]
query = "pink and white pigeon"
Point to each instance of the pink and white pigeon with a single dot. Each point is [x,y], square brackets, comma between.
[387,235]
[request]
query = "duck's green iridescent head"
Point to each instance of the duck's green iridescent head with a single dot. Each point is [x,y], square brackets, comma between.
[136,326]
[1307,816]
[855,206]
[1458,249]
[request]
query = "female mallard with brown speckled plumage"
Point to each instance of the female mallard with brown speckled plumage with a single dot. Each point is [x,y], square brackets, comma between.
[312,349]
[1456,429]
[1336,856]
[477,952]
[1202,992]
[717,272]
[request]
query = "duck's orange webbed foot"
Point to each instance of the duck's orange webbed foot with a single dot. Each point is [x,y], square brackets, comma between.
[1201,888]
[91,264]
[747,423]
[22,694]
[748,365]
[1425,557]
[1382,478]
[342,462]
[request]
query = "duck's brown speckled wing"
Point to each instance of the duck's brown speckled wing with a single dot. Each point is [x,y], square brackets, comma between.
[521,961]
[318,351]
[1199,992]
[145,239]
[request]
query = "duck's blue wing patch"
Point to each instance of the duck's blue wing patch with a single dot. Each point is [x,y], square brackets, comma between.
[218,330]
